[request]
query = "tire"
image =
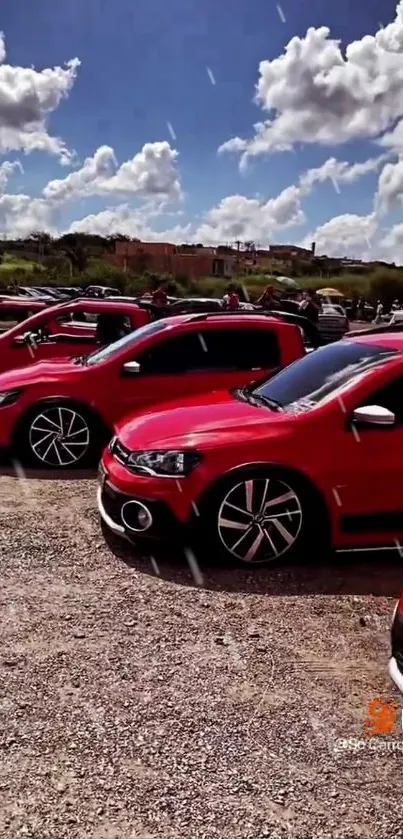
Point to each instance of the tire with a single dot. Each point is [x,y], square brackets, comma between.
[265,532]
[59,436]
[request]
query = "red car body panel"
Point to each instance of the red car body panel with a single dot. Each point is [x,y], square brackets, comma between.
[64,335]
[102,387]
[356,475]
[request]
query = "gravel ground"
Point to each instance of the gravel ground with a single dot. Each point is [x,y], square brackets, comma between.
[138,706]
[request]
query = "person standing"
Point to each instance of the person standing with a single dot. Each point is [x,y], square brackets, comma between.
[308,307]
[231,298]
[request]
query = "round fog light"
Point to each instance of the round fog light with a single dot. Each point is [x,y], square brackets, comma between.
[136,516]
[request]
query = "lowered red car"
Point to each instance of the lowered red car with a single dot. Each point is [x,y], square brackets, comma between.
[308,458]
[66,329]
[59,413]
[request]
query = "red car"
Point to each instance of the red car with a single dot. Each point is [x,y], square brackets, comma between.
[14,310]
[60,413]
[65,329]
[307,459]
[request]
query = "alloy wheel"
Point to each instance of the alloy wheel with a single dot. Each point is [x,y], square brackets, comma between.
[259,520]
[59,437]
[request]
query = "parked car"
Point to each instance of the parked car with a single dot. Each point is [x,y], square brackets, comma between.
[100,291]
[60,413]
[250,472]
[333,322]
[14,310]
[75,327]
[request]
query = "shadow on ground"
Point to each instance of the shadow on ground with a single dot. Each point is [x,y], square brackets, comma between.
[376,573]
[10,469]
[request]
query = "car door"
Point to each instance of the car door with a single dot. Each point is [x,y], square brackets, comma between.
[369,483]
[197,361]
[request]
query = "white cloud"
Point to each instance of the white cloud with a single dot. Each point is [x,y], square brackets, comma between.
[390,247]
[152,172]
[347,235]
[314,93]
[238,217]
[341,171]
[27,97]
[127,221]
[7,169]
[234,217]
[21,215]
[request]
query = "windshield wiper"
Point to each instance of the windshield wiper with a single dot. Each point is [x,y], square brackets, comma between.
[271,403]
[256,399]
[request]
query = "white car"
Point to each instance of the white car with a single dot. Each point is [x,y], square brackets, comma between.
[333,322]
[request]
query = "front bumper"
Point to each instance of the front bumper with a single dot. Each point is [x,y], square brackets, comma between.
[119,511]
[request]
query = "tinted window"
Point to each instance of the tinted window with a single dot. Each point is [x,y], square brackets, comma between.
[302,385]
[130,341]
[240,349]
[390,396]
[213,349]
[10,317]
[174,355]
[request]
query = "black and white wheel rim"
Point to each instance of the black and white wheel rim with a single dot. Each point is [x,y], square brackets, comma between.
[59,437]
[259,520]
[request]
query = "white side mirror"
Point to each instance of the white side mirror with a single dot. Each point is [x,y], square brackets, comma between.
[374,415]
[131,368]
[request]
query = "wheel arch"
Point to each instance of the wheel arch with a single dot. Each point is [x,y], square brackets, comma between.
[52,401]
[260,467]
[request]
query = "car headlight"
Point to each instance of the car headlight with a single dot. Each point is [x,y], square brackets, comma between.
[165,463]
[8,397]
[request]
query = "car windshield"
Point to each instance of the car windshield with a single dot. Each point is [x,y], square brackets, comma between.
[306,382]
[128,341]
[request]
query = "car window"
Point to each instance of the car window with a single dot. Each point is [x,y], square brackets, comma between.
[212,349]
[128,342]
[179,354]
[240,349]
[10,317]
[390,396]
[306,382]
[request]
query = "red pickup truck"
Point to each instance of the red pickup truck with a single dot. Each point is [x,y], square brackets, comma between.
[59,413]
[67,329]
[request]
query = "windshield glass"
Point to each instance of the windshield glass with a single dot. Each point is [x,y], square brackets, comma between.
[128,341]
[306,382]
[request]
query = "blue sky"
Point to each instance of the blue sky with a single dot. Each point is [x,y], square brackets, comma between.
[145,64]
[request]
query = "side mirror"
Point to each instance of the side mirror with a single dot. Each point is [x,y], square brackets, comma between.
[374,415]
[131,368]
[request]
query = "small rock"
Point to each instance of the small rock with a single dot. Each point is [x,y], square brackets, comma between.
[79,634]
[362,621]
[10,662]
[222,640]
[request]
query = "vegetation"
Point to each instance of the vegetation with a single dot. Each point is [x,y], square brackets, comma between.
[80,259]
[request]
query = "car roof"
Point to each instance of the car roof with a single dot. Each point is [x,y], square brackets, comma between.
[22,302]
[228,319]
[391,340]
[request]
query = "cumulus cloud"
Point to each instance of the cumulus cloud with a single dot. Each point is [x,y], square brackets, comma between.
[7,169]
[27,97]
[314,93]
[347,235]
[341,171]
[21,215]
[127,221]
[152,172]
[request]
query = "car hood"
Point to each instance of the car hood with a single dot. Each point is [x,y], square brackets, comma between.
[40,371]
[204,420]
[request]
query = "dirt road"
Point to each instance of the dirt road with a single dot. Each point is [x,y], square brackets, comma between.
[138,706]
